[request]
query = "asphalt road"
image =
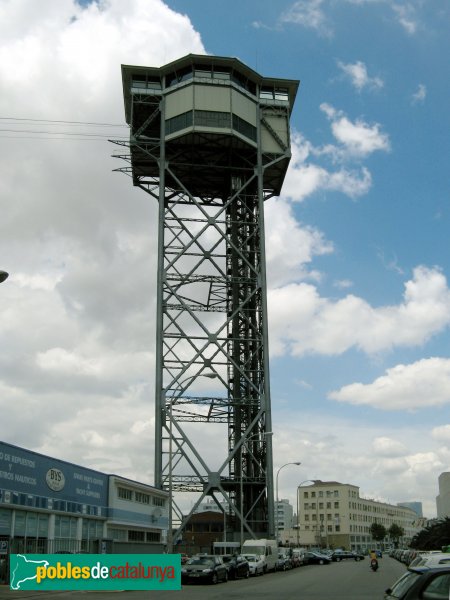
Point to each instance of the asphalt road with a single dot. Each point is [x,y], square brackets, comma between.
[347,580]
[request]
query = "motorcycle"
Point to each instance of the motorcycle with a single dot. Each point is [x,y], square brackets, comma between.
[374,564]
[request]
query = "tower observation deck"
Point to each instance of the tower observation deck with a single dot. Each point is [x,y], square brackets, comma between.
[210,141]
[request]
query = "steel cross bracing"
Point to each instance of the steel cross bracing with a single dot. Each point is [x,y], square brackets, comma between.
[212,364]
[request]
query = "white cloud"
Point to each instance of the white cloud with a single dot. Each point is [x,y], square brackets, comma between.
[290,245]
[420,95]
[78,240]
[405,14]
[422,384]
[388,447]
[441,433]
[358,138]
[309,14]
[305,178]
[343,284]
[376,459]
[357,73]
[302,322]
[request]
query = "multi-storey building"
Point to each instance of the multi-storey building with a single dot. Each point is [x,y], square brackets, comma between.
[443,499]
[333,514]
[49,505]
[284,513]
[416,506]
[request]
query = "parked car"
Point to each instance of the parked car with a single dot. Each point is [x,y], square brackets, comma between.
[205,567]
[421,583]
[346,555]
[284,562]
[184,558]
[434,560]
[256,564]
[316,558]
[237,566]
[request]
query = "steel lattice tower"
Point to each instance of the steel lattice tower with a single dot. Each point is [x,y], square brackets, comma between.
[210,141]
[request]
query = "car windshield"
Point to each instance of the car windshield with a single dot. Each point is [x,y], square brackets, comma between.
[200,561]
[401,586]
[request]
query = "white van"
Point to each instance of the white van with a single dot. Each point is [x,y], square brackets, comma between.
[267,549]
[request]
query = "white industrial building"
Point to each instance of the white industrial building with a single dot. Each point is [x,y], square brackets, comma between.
[333,514]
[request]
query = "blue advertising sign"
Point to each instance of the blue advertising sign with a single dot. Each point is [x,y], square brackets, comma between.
[26,472]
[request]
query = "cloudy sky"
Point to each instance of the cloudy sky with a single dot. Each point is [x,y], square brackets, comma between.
[357,243]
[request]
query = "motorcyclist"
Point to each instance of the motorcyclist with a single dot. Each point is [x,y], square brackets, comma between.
[373,560]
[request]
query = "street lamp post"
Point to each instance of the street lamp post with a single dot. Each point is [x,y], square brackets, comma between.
[244,442]
[190,379]
[278,472]
[298,506]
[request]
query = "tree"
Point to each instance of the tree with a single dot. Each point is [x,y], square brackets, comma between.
[396,532]
[434,536]
[378,532]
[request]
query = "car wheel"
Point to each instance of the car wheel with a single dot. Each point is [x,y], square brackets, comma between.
[320,562]
[214,578]
[356,558]
[338,559]
[225,578]
[247,574]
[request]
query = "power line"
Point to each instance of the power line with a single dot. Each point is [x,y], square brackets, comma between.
[63,122]
[80,133]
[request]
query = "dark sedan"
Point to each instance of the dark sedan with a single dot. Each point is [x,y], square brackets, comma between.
[420,583]
[237,566]
[206,567]
[316,558]
[346,555]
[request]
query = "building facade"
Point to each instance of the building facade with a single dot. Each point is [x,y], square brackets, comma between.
[415,506]
[443,499]
[284,514]
[334,515]
[48,505]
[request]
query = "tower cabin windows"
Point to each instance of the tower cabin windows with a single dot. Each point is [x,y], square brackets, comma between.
[211,74]
[143,84]
[272,93]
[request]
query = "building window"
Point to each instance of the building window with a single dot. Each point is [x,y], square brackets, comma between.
[158,501]
[119,535]
[124,493]
[179,122]
[305,494]
[141,497]
[210,118]
[243,127]
[136,536]
[336,505]
[153,536]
